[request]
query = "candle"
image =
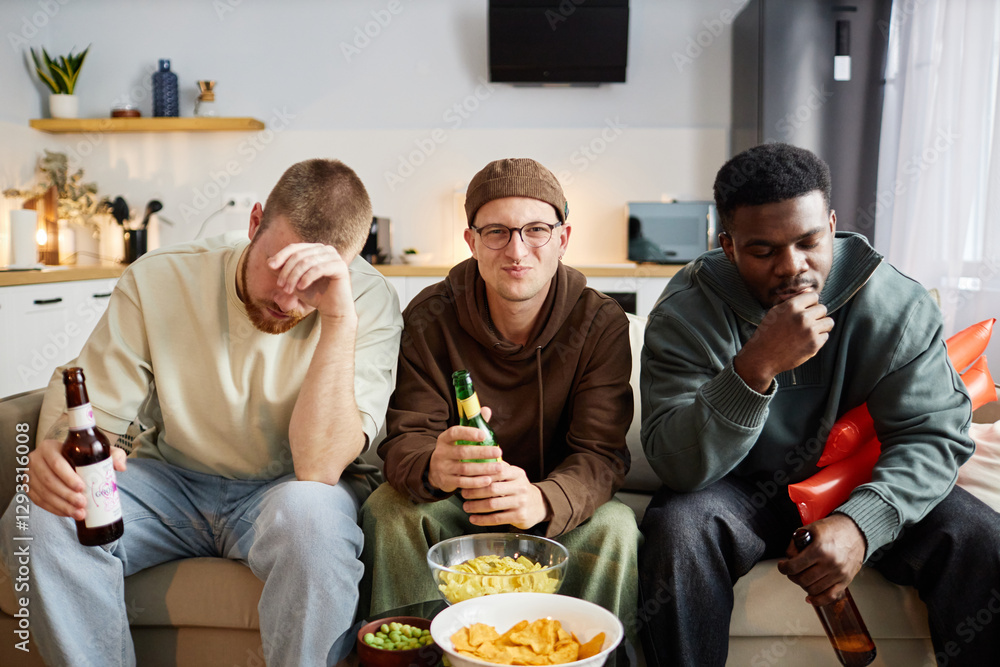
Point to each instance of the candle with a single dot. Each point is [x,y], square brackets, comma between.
[23,251]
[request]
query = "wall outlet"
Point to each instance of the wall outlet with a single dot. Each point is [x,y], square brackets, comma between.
[244,201]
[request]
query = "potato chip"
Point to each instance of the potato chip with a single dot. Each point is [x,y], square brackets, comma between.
[480,577]
[542,642]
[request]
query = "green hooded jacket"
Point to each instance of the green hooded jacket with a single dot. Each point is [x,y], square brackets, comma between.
[701,422]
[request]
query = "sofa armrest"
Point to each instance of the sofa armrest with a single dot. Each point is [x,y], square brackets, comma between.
[989,413]
[14,411]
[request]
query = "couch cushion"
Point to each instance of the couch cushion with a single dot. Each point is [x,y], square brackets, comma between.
[980,475]
[768,604]
[194,592]
[640,476]
[199,592]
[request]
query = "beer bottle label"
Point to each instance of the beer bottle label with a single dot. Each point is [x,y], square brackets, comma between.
[101,489]
[81,417]
[470,406]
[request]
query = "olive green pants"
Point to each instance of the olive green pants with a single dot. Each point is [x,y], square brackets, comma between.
[602,565]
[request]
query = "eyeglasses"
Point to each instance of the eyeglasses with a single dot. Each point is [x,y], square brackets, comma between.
[533,234]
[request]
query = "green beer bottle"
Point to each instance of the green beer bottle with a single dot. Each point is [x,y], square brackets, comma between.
[470,414]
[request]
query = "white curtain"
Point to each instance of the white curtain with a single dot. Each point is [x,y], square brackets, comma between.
[938,214]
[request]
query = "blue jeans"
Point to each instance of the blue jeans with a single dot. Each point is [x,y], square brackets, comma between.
[698,544]
[300,538]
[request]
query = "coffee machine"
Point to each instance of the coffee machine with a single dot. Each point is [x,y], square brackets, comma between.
[378,247]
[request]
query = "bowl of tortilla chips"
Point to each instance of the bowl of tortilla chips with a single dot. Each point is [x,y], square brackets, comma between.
[472,566]
[526,629]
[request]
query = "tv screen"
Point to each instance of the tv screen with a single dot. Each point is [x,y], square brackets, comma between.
[558,41]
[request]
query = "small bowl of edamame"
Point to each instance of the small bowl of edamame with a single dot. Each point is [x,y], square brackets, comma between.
[398,641]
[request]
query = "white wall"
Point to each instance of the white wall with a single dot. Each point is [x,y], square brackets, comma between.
[419,82]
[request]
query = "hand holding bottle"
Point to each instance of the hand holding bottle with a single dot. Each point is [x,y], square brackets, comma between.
[851,641]
[55,486]
[449,466]
[830,564]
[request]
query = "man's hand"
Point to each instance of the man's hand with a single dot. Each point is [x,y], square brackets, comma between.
[791,333]
[509,499]
[829,564]
[316,275]
[447,472]
[55,486]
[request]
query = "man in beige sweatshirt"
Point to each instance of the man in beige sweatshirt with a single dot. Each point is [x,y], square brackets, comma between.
[260,368]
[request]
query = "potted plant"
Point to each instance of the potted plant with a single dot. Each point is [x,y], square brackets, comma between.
[60,77]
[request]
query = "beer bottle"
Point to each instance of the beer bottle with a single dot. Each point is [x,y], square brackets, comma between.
[470,414]
[842,621]
[89,452]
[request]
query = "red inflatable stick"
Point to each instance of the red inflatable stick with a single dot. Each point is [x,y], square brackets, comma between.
[825,491]
[852,430]
[856,427]
[968,344]
[980,384]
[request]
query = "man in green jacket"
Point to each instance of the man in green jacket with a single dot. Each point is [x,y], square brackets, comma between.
[752,353]
[551,358]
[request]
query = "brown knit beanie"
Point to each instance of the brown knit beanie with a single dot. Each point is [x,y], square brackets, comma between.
[515,177]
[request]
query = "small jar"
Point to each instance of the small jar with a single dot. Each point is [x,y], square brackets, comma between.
[125,110]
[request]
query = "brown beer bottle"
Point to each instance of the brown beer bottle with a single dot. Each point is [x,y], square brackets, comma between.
[89,452]
[842,621]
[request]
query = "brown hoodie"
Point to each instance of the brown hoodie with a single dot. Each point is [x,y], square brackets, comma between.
[561,403]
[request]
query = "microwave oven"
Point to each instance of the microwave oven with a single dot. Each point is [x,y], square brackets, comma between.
[670,232]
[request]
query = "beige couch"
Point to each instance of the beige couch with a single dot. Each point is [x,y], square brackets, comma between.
[203,611]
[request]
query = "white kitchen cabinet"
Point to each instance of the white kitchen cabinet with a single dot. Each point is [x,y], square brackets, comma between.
[408,287]
[416,284]
[644,290]
[399,284]
[45,326]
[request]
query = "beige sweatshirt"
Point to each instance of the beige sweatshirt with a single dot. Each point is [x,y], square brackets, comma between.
[220,392]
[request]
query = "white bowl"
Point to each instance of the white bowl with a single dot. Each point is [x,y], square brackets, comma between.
[418,259]
[504,610]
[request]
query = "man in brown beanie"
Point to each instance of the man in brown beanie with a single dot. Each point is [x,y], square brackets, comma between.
[551,361]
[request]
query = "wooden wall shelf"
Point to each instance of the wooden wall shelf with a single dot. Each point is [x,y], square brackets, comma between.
[70,125]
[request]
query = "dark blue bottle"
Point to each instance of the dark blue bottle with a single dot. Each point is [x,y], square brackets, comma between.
[165,99]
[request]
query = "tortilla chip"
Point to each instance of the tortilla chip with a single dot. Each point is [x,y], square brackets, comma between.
[480,633]
[542,642]
[568,652]
[593,647]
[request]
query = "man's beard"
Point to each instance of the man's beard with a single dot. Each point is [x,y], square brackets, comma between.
[257,310]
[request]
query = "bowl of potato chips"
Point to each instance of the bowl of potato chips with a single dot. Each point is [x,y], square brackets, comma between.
[526,629]
[472,566]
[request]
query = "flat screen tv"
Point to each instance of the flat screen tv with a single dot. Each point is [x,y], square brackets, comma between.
[558,41]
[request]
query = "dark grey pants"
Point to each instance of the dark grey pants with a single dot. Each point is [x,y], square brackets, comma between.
[698,544]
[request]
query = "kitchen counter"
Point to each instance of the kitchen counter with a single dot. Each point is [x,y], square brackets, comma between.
[58,274]
[596,271]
